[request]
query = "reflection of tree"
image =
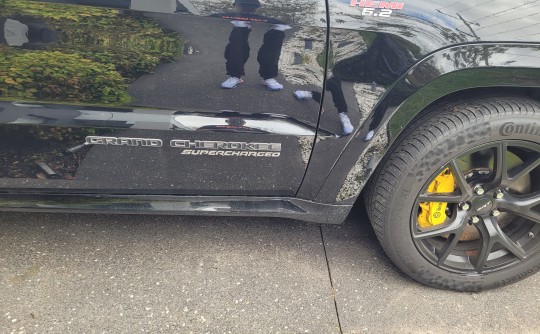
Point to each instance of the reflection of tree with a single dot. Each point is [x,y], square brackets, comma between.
[133,43]
[467,57]
[96,43]
[56,76]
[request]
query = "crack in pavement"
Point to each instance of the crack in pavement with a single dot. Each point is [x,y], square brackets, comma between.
[331,281]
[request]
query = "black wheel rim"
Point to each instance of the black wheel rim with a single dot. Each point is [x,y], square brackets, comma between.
[496,200]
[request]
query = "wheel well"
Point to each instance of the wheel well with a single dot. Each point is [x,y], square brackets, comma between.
[530,92]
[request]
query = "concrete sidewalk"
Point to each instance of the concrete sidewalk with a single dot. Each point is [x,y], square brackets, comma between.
[96,273]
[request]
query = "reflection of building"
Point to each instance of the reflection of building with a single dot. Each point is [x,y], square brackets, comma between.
[43,114]
[164,6]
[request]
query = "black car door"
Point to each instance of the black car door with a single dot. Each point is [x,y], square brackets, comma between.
[160,97]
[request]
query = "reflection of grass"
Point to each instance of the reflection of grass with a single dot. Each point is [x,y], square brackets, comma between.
[321,58]
[306,59]
[129,45]
[369,37]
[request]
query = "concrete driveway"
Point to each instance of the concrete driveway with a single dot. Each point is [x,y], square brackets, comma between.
[64,273]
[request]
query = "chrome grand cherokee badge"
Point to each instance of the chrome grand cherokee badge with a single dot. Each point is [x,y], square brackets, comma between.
[123,141]
[228,149]
[197,147]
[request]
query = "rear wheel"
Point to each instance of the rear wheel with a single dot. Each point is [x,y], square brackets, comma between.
[456,204]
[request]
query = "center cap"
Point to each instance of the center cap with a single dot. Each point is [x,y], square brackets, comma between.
[483,204]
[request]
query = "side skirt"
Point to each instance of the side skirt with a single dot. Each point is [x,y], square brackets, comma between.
[293,208]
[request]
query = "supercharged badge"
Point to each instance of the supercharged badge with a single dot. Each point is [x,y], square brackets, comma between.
[227,149]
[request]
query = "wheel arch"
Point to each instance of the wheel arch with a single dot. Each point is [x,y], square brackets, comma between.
[448,74]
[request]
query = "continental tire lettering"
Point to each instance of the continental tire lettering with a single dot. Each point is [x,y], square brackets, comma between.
[511,128]
[520,276]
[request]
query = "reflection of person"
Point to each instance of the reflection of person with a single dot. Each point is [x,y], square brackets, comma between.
[333,85]
[237,51]
[383,63]
[234,124]
[386,60]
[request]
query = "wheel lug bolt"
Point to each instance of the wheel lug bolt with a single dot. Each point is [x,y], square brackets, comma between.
[464,206]
[531,235]
[495,213]
[479,190]
[475,219]
[499,194]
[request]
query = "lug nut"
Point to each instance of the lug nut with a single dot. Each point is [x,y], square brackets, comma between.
[464,206]
[475,219]
[479,190]
[499,194]
[531,235]
[495,213]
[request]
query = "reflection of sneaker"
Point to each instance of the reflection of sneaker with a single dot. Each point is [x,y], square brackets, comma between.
[231,82]
[369,136]
[281,27]
[241,24]
[272,84]
[346,123]
[303,94]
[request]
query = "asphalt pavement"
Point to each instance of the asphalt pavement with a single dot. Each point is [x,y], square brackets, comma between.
[62,273]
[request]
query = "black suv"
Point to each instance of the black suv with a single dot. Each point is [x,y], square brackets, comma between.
[286,108]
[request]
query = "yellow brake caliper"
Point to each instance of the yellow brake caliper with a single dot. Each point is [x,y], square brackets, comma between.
[433,213]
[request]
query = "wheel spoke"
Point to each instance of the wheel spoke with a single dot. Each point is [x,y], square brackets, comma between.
[450,244]
[500,166]
[464,187]
[500,237]
[490,235]
[453,228]
[521,205]
[523,169]
[480,260]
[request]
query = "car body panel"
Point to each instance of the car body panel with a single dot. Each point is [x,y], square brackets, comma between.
[243,141]
[397,66]
[381,70]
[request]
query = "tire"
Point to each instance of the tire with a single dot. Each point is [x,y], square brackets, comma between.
[491,234]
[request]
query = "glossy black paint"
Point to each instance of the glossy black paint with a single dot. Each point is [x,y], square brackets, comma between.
[180,99]
[401,65]
[442,73]
[380,71]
